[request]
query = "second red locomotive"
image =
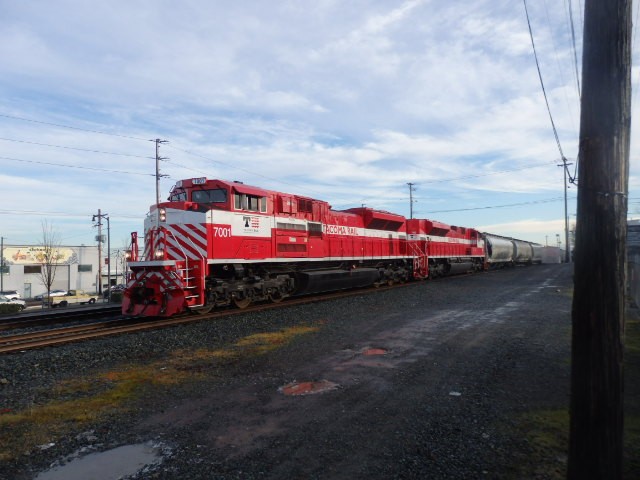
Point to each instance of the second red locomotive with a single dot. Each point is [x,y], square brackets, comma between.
[217,243]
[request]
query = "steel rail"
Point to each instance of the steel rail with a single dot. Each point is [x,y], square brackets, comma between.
[50,318]
[59,336]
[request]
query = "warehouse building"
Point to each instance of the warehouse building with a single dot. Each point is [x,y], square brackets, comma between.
[77,268]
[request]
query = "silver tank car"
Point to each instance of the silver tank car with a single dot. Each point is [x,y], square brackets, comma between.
[522,251]
[499,249]
[537,252]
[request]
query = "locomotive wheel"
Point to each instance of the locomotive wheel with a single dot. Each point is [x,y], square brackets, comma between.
[276,297]
[241,302]
[202,310]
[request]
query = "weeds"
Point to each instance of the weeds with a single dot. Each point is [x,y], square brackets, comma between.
[82,401]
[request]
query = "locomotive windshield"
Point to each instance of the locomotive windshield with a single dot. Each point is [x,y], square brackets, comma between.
[178,195]
[216,195]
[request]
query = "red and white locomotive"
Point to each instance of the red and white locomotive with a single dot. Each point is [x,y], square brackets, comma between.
[217,243]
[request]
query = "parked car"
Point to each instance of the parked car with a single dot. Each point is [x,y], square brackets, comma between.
[54,293]
[73,296]
[11,294]
[13,301]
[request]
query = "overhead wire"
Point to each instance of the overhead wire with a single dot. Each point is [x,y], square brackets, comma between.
[464,177]
[81,167]
[479,175]
[533,202]
[577,73]
[13,117]
[560,72]
[75,148]
[544,91]
[62,214]
[235,167]
[546,99]
[575,50]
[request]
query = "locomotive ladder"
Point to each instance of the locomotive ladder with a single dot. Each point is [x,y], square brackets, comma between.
[419,256]
[186,273]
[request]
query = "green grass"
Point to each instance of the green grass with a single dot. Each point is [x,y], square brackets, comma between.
[547,431]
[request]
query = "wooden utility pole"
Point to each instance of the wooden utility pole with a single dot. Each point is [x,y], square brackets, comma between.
[158,177]
[411,199]
[595,449]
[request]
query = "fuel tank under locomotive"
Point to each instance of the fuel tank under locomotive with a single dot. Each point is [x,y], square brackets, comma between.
[319,281]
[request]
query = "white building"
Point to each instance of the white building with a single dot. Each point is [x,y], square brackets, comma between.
[77,269]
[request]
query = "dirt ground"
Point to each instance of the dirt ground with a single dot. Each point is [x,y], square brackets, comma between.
[464,377]
[432,382]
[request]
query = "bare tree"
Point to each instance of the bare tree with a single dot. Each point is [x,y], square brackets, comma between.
[48,255]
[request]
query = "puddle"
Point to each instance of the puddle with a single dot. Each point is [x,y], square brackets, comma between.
[109,465]
[374,351]
[307,388]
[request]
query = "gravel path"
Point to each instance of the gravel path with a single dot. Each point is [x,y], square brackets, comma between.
[456,369]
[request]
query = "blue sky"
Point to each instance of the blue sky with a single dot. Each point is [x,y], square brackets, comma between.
[342,101]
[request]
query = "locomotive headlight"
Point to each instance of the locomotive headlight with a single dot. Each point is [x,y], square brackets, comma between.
[159,254]
[127,255]
[163,215]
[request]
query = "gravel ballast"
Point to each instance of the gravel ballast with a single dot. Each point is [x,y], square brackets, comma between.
[446,379]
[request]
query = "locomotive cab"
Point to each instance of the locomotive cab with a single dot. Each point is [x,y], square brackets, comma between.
[198,194]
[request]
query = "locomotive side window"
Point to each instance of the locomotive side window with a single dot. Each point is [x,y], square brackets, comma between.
[291,226]
[217,195]
[315,229]
[252,203]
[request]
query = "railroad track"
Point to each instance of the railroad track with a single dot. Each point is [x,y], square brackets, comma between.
[62,335]
[28,320]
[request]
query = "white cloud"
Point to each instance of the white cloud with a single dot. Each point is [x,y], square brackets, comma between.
[341,101]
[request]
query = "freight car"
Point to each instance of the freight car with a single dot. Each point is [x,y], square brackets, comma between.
[505,251]
[217,243]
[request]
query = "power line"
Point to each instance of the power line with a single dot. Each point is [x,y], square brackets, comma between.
[557,58]
[63,214]
[575,51]
[75,166]
[73,128]
[546,100]
[464,177]
[73,148]
[478,175]
[534,202]
[250,172]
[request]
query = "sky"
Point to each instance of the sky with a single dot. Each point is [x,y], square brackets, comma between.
[348,102]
